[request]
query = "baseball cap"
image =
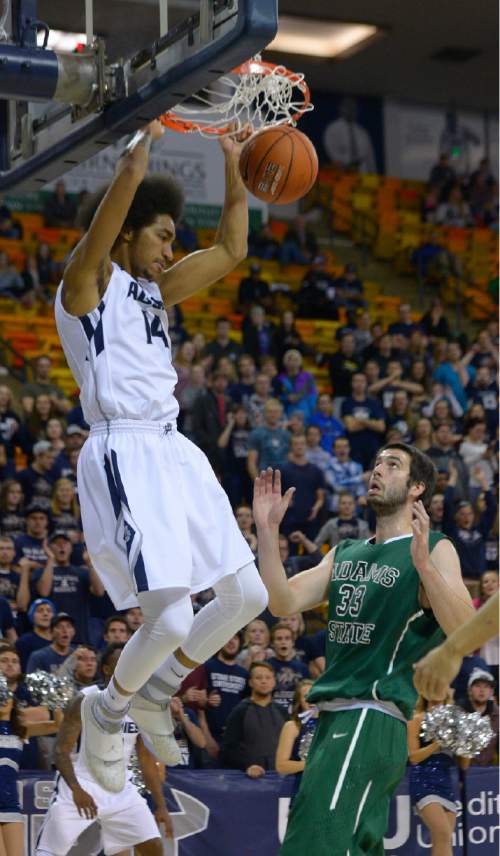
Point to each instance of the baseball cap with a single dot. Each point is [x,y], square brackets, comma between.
[62,616]
[76,429]
[255,267]
[36,508]
[41,447]
[59,533]
[478,674]
[36,603]
[319,260]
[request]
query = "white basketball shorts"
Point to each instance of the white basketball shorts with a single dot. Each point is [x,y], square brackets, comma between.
[125,820]
[154,515]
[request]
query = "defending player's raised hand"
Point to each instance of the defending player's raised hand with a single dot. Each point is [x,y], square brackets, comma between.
[420,542]
[84,803]
[269,505]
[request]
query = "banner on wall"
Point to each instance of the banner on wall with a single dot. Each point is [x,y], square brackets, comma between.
[416,135]
[196,162]
[205,804]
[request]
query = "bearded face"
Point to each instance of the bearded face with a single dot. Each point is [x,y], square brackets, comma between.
[385,499]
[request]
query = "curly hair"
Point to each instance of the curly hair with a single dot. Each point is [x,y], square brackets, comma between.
[156,194]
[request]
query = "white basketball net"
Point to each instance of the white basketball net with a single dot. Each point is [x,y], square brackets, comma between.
[260,96]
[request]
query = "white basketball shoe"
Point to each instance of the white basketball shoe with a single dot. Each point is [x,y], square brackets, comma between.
[155,723]
[103,744]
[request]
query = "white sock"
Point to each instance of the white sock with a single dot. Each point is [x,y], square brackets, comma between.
[113,700]
[172,673]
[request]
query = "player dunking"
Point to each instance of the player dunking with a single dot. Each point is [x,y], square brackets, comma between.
[157,524]
[387,598]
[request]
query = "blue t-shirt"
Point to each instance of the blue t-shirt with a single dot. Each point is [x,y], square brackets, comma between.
[307,480]
[364,443]
[288,674]
[37,487]
[448,376]
[46,659]
[6,617]
[330,428]
[70,593]
[9,584]
[230,681]
[488,397]
[28,547]
[13,523]
[271,444]
[27,643]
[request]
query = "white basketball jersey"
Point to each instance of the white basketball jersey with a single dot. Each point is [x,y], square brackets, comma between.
[120,353]
[130,735]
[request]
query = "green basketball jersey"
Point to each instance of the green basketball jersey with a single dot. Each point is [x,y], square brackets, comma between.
[376,626]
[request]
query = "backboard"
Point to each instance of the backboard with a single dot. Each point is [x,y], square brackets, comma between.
[60,108]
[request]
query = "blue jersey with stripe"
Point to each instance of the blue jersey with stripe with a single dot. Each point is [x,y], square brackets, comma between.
[120,353]
[11,747]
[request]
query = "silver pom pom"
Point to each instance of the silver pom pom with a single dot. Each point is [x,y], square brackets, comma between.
[137,777]
[309,720]
[49,690]
[5,693]
[441,723]
[475,735]
[305,744]
[462,733]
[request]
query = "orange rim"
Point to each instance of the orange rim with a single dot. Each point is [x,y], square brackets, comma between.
[252,66]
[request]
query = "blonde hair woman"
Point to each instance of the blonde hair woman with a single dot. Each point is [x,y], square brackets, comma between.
[256,638]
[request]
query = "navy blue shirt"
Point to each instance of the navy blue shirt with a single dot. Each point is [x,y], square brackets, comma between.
[28,547]
[70,593]
[46,659]
[288,673]
[230,681]
[13,523]
[37,487]
[306,479]
[488,397]
[364,443]
[27,643]
[6,617]
[9,584]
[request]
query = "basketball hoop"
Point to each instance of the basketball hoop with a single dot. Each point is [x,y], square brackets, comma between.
[257,93]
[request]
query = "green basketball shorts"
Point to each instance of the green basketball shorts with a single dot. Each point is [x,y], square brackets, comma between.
[356,760]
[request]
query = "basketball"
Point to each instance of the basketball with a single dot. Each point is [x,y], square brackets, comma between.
[279,165]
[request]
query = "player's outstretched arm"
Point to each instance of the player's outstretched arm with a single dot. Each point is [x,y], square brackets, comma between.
[302,591]
[443,587]
[439,667]
[69,732]
[204,267]
[89,268]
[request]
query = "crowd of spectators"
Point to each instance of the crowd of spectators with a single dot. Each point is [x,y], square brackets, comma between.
[251,404]
[461,201]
